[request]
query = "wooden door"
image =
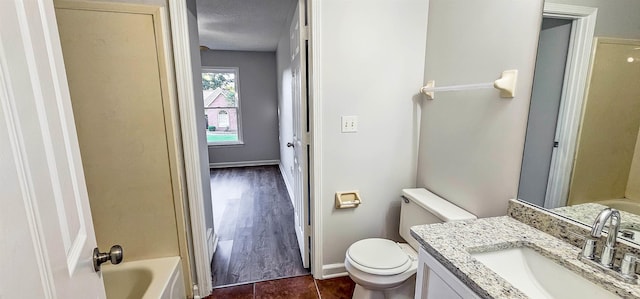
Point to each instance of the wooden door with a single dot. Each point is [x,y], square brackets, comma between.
[46,231]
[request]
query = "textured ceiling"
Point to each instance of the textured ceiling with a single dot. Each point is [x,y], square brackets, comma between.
[243,25]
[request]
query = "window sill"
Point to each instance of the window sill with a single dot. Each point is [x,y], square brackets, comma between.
[226,144]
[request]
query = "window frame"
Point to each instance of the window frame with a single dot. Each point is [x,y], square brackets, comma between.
[238,108]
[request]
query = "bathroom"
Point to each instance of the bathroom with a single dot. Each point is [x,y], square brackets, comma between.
[346,86]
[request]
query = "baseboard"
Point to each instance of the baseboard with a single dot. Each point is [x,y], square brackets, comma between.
[212,243]
[244,163]
[333,270]
[286,182]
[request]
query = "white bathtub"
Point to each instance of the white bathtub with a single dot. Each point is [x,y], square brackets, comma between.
[623,204]
[145,279]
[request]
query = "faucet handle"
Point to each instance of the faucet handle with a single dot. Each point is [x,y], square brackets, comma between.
[589,249]
[628,265]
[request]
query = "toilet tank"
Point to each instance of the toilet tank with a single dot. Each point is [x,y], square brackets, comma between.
[420,206]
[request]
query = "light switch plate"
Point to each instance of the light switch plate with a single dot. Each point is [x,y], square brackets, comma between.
[349,124]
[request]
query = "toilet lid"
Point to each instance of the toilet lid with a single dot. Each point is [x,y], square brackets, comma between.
[379,256]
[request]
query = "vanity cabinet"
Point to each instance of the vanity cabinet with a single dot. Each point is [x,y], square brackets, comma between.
[433,281]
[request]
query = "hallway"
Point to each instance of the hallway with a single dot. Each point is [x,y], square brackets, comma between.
[254,221]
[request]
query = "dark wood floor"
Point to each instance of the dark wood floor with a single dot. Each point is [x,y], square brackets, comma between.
[254,222]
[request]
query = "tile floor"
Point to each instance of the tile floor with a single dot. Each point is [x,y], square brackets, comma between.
[302,287]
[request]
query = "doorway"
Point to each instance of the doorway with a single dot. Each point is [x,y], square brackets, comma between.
[254,91]
[544,110]
[560,81]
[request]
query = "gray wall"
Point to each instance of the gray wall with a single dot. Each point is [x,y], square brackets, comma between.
[615,18]
[258,105]
[471,142]
[543,112]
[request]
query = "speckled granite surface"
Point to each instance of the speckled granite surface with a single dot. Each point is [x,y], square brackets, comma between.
[587,212]
[584,213]
[565,229]
[451,244]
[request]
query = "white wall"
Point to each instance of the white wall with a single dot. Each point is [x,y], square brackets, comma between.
[285,106]
[372,61]
[258,106]
[471,142]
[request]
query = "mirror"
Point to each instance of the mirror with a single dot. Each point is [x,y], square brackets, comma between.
[582,148]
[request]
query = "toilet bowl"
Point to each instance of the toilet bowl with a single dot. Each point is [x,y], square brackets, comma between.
[384,269]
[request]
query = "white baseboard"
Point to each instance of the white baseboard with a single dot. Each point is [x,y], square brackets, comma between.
[243,163]
[333,270]
[212,243]
[286,182]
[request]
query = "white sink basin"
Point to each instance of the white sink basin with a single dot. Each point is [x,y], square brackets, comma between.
[538,276]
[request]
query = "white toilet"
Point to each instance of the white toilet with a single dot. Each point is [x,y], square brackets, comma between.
[384,269]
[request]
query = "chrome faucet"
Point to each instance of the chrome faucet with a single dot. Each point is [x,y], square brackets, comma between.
[626,271]
[609,250]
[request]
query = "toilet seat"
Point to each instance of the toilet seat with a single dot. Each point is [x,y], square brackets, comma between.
[379,257]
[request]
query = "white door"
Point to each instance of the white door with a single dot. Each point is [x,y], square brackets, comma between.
[298,43]
[46,233]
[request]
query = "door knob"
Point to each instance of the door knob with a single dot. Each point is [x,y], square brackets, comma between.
[114,255]
[289,144]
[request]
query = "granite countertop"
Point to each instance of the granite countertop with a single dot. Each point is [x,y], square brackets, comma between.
[587,212]
[451,244]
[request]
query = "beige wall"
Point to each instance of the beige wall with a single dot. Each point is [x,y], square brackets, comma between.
[609,127]
[118,107]
[633,184]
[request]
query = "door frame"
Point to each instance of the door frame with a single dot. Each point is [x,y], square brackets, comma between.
[572,99]
[195,214]
[186,99]
[315,136]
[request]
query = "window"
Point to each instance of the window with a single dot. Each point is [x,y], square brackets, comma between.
[221,106]
[223,118]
